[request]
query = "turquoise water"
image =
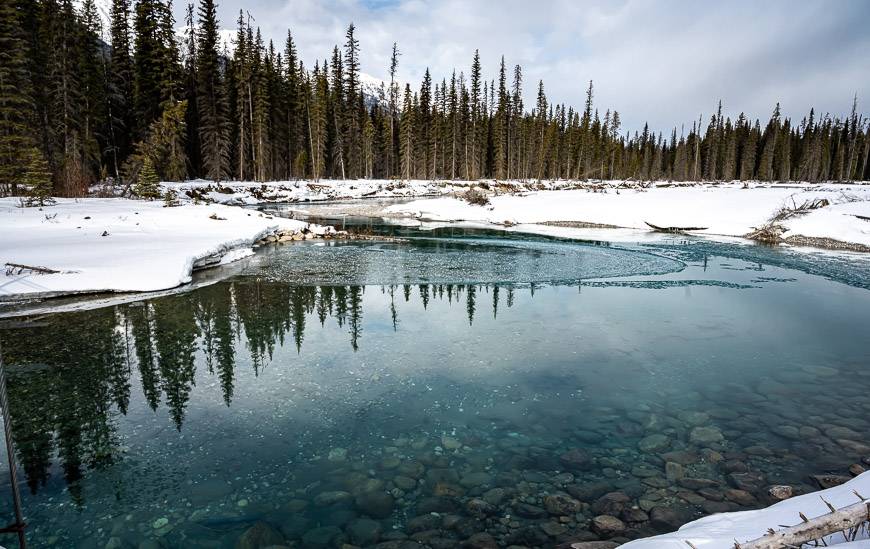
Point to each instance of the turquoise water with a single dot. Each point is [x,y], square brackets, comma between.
[475,387]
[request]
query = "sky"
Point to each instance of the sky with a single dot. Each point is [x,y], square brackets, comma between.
[661,62]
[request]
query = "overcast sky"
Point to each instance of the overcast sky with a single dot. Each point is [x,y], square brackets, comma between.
[664,62]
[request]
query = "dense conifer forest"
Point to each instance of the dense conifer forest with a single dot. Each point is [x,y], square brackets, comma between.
[75,110]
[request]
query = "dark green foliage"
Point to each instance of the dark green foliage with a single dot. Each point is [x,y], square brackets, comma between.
[37,178]
[147,183]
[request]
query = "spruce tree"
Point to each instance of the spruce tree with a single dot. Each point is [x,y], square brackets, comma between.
[214,124]
[147,182]
[16,108]
[121,123]
[37,178]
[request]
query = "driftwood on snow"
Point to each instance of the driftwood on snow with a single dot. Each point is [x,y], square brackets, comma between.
[848,520]
[676,230]
[18,268]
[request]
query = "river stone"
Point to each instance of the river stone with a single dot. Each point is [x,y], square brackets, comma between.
[331,497]
[450,443]
[576,459]
[561,504]
[653,444]
[808,431]
[666,518]
[324,536]
[528,510]
[682,457]
[337,455]
[294,526]
[705,435]
[377,505]
[404,483]
[853,446]
[593,545]
[751,482]
[476,479]
[479,508]
[780,492]
[674,471]
[829,481]
[611,503]
[857,469]
[258,536]
[787,431]
[589,491]
[697,483]
[554,529]
[422,523]
[364,531]
[607,525]
[740,497]
[412,469]
[694,419]
[634,515]
[836,432]
[435,505]
[589,437]
[495,496]
[480,540]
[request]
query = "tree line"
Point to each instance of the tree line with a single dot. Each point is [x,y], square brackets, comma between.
[75,110]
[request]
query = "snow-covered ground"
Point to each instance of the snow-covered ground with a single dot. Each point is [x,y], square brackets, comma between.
[252,192]
[720,531]
[722,210]
[115,244]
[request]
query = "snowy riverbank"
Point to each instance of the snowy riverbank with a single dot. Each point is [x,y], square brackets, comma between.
[722,530]
[721,210]
[114,244]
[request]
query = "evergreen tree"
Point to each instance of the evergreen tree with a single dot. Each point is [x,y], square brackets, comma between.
[16,107]
[147,182]
[211,97]
[37,178]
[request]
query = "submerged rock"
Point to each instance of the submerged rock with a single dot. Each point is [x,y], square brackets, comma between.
[653,444]
[259,536]
[576,459]
[364,531]
[375,504]
[705,435]
[607,525]
[561,504]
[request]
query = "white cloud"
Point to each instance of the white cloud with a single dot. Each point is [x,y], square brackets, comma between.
[662,62]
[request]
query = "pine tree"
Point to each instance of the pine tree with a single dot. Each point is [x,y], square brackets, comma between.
[407,134]
[16,108]
[37,178]
[147,183]
[211,101]
[121,123]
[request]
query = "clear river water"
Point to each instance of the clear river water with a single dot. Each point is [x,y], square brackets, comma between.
[463,388]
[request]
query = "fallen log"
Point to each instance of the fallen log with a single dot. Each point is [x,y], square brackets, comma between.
[18,268]
[848,520]
[675,230]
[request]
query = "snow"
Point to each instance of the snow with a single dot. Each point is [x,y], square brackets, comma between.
[723,210]
[250,192]
[719,531]
[147,247]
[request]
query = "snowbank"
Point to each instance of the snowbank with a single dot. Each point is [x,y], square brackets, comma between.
[252,192]
[721,530]
[725,210]
[114,244]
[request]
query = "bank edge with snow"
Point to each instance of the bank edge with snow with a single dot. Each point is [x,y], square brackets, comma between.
[118,245]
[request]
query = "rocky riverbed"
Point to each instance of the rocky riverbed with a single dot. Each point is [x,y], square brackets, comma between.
[635,474]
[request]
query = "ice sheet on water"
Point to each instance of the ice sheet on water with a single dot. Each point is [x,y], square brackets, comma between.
[463,261]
